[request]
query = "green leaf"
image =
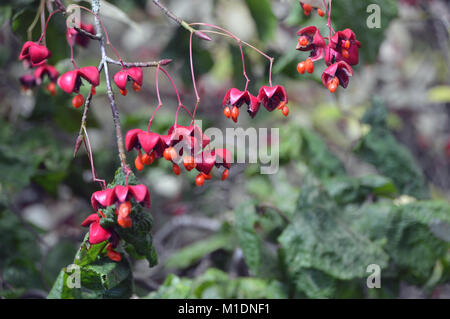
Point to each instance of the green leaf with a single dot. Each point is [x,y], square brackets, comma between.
[380,148]
[215,283]
[320,238]
[100,277]
[346,189]
[249,241]
[187,256]
[265,20]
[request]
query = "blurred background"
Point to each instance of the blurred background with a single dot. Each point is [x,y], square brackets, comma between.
[364,173]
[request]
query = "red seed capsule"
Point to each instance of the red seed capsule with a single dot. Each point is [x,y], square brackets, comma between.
[301,67]
[77,101]
[309,66]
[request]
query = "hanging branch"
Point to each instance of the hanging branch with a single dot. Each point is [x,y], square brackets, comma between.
[181,22]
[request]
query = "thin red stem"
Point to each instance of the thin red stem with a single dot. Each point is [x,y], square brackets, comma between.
[46,24]
[231,35]
[87,145]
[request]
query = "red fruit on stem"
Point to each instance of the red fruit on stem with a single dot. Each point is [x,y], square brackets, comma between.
[307,7]
[199,180]
[235,113]
[309,65]
[148,159]
[176,169]
[77,101]
[51,88]
[301,67]
[227,112]
[170,154]
[285,111]
[124,221]
[225,174]
[347,44]
[189,163]
[320,12]
[138,163]
[303,41]
[123,92]
[136,87]
[114,256]
[125,209]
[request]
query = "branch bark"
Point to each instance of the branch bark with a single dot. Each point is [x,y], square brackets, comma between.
[109,92]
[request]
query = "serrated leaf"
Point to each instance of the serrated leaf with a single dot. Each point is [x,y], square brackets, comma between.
[249,241]
[320,238]
[380,148]
[346,189]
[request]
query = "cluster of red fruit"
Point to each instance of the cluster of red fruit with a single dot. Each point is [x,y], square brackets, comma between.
[36,55]
[182,144]
[340,53]
[120,198]
[272,97]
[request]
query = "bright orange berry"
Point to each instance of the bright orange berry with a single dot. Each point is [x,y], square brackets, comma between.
[199,180]
[51,88]
[225,174]
[170,153]
[138,163]
[301,67]
[176,169]
[320,12]
[285,111]
[77,101]
[235,113]
[189,163]
[136,87]
[309,65]
[123,92]
[227,112]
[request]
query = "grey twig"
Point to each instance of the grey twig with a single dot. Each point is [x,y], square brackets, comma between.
[88,34]
[109,92]
[139,64]
[181,22]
